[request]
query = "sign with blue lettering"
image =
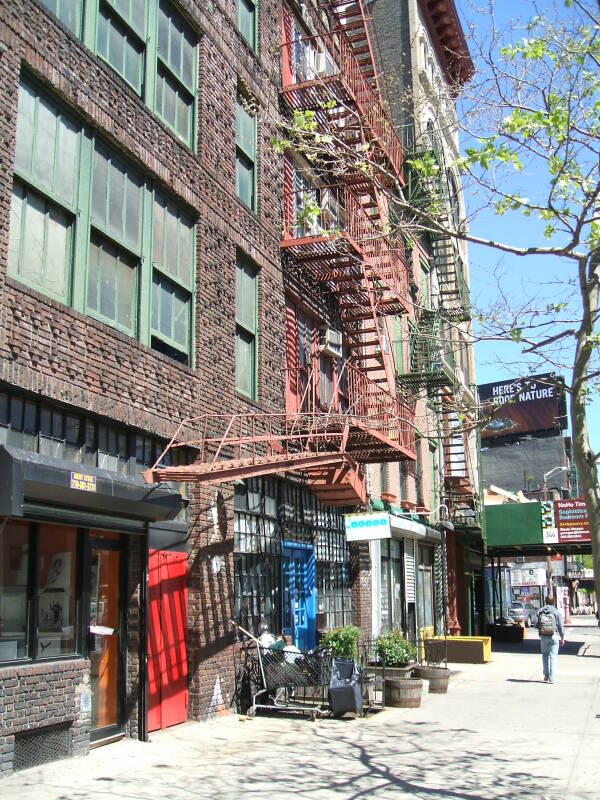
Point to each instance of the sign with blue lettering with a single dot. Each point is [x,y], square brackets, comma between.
[363,527]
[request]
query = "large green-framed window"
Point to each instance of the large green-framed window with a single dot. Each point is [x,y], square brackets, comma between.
[248,22]
[150,45]
[245,141]
[246,327]
[44,196]
[91,231]
[397,346]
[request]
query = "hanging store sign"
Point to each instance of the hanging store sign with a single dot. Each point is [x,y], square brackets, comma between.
[565,521]
[364,527]
[572,521]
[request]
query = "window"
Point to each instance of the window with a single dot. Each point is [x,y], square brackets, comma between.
[176,72]
[149,45]
[246,330]
[14,608]
[91,232]
[248,21]
[392,584]
[44,195]
[245,140]
[50,587]
[68,12]
[121,30]
[173,249]
[397,346]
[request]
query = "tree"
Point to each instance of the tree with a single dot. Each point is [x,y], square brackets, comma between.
[531,117]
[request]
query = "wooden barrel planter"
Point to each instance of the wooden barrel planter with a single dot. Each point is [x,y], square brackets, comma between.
[403,692]
[438,678]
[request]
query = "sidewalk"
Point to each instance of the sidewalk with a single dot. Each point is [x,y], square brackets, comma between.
[500,732]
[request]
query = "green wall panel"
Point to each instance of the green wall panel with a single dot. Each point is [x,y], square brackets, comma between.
[514,524]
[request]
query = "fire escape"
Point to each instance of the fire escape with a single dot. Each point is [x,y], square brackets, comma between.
[432,363]
[344,248]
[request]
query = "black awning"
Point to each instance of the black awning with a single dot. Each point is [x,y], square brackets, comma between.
[29,478]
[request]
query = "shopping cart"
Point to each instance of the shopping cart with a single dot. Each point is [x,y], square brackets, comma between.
[285,680]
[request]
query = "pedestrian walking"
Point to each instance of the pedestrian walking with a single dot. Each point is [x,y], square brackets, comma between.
[552,634]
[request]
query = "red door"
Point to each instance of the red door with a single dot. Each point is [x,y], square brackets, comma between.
[167,632]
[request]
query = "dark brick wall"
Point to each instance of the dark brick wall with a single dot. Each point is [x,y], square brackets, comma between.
[41,695]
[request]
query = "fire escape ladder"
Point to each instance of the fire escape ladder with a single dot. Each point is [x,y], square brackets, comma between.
[356,20]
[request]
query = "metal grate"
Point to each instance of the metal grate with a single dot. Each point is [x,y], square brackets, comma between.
[42,746]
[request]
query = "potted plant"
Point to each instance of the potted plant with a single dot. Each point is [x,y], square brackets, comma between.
[343,642]
[398,657]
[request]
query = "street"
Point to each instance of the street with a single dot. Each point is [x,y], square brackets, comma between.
[500,732]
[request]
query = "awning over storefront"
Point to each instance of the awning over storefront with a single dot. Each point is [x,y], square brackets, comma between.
[31,483]
[401,526]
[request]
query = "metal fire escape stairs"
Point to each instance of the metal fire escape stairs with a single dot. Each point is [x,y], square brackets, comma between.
[330,446]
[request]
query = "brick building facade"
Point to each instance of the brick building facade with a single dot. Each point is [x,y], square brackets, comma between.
[143,214]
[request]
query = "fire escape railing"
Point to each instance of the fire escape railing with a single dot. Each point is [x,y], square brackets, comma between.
[340,214]
[326,58]
[357,398]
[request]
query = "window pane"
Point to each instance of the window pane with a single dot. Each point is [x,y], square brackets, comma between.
[158,230]
[163,33]
[68,14]
[132,230]
[33,246]
[99,187]
[186,249]
[102,36]
[57,591]
[180,319]
[245,296]
[175,54]
[155,304]
[245,180]
[16,219]
[57,253]
[133,66]
[170,103]
[14,567]
[166,308]
[189,58]
[116,44]
[66,164]
[43,159]
[115,275]
[108,283]
[244,363]
[115,199]
[245,130]
[171,254]
[246,24]
[184,113]
[25,128]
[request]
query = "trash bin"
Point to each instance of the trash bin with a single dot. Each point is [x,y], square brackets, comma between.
[344,688]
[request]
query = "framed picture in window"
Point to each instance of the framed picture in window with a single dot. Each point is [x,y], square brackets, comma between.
[54,610]
[59,574]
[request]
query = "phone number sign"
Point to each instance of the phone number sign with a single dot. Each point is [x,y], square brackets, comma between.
[83,482]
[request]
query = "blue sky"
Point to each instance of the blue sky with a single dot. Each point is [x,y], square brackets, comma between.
[539,277]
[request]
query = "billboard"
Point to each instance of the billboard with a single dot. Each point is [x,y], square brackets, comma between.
[522,405]
[565,522]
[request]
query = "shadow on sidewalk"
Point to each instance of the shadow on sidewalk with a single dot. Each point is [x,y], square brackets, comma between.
[532,646]
[523,680]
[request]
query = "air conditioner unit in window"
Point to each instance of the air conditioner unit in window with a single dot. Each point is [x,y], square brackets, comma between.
[330,342]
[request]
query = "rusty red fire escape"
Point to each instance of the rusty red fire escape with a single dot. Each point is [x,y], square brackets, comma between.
[348,252]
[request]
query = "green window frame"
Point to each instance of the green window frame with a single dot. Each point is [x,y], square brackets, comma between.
[246,154]
[115,249]
[248,22]
[150,45]
[246,327]
[425,283]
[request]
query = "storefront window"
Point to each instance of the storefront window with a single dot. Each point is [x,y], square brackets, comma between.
[392,591]
[57,591]
[14,567]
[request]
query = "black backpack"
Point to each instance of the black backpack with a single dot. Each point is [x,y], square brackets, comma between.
[546,622]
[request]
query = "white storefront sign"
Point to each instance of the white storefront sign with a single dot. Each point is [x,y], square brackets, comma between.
[364,527]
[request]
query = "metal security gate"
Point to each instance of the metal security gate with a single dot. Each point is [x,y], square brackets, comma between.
[167,634]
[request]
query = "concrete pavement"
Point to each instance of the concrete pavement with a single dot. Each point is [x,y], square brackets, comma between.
[500,732]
